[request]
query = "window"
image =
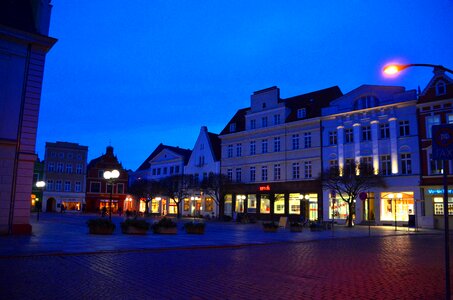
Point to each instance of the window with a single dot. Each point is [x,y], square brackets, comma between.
[295,141]
[78,186]
[164,170]
[238,174]
[51,167]
[276,119]
[265,204]
[365,102]
[301,113]
[440,88]
[252,124]
[108,187]
[252,148]
[239,150]
[404,128]
[450,119]
[186,204]
[209,204]
[95,187]
[200,163]
[349,136]
[436,166]
[252,174]
[70,155]
[333,165]
[333,138]
[69,168]
[366,163]
[279,204]
[277,172]
[79,169]
[230,151]
[120,188]
[230,174]
[58,185]
[264,173]
[264,146]
[172,168]
[232,127]
[60,167]
[406,163]
[296,171]
[385,130]
[439,206]
[154,171]
[307,169]
[307,140]
[49,186]
[386,167]
[177,169]
[366,133]
[251,203]
[430,121]
[67,186]
[276,144]
[264,122]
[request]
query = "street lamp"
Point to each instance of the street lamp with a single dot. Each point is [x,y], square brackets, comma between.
[111,176]
[392,69]
[40,185]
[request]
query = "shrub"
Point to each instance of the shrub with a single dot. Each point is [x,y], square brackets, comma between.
[101,223]
[165,222]
[137,223]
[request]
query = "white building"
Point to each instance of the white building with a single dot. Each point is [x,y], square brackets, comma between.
[204,160]
[376,125]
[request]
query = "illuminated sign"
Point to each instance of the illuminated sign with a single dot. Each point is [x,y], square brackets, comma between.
[265,188]
[438,191]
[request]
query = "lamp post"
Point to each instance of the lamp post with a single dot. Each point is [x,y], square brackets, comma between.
[393,69]
[40,185]
[111,176]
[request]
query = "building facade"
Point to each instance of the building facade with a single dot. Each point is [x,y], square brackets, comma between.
[435,107]
[377,126]
[65,168]
[271,154]
[204,161]
[24,43]
[99,192]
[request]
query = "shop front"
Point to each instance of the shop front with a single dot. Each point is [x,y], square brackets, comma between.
[434,205]
[198,205]
[296,200]
[396,207]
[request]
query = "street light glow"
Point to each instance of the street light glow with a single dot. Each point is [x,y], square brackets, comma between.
[40,184]
[391,69]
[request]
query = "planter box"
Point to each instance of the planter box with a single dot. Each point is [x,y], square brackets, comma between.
[295,228]
[134,230]
[101,230]
[165,230]
[195,230]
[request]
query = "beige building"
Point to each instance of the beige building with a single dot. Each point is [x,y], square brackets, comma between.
[65,168]
[24,42]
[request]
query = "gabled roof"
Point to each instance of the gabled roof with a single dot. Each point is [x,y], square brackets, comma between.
[429,92]
[185,153]
[312,102]
[215,144]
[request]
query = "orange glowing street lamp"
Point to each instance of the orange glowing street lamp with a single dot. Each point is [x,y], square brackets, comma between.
[392,69]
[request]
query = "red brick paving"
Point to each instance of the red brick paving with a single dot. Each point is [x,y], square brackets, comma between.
[392,267]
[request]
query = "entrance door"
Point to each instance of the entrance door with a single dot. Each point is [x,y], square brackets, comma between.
[366,208]
[51,205]
[164,207]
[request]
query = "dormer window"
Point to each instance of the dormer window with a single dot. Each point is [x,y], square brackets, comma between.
[301,113]
[440,88]
[365,102]
[232,127]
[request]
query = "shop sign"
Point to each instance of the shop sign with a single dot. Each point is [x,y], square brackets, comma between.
[265,188]
[442,142]
[438,191]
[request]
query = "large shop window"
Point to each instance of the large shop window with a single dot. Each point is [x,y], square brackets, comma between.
[155,205]
[279,204]
[265,207]
[186,204]
[339,209]
[228,211]
[294,203]
[209,203]
[439,206]
[251,203]
[397,206]
[172,207]
[240,203]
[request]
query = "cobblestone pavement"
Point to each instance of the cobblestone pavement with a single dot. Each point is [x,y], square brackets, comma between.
[380,267]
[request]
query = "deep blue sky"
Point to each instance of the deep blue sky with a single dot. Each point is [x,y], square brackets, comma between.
[138,73]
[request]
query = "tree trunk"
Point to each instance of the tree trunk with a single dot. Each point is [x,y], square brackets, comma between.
[351,213]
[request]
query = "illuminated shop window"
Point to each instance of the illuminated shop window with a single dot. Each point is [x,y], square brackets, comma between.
[439,206]
[155,205]
[397,205]
[294,203]
[186,204]
[279,204]
[240,203]
[251,203]
[172,207]
[265,207]
[209,203]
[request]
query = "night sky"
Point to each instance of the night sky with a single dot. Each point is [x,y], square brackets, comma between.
[134,74]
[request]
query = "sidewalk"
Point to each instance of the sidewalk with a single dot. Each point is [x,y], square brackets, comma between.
[68,234]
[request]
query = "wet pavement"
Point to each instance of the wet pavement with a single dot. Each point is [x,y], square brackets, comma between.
[230,261]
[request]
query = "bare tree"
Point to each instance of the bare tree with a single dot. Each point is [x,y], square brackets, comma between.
[348,182]
[213,186]
[144,190]
[176,187]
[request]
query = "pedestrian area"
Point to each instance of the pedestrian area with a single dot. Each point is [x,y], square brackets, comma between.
[68,234]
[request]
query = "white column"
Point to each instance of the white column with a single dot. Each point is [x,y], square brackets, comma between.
[375,143]
[340,140]
[393,145]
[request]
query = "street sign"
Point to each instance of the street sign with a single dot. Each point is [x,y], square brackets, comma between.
[363,196]
[442,142]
